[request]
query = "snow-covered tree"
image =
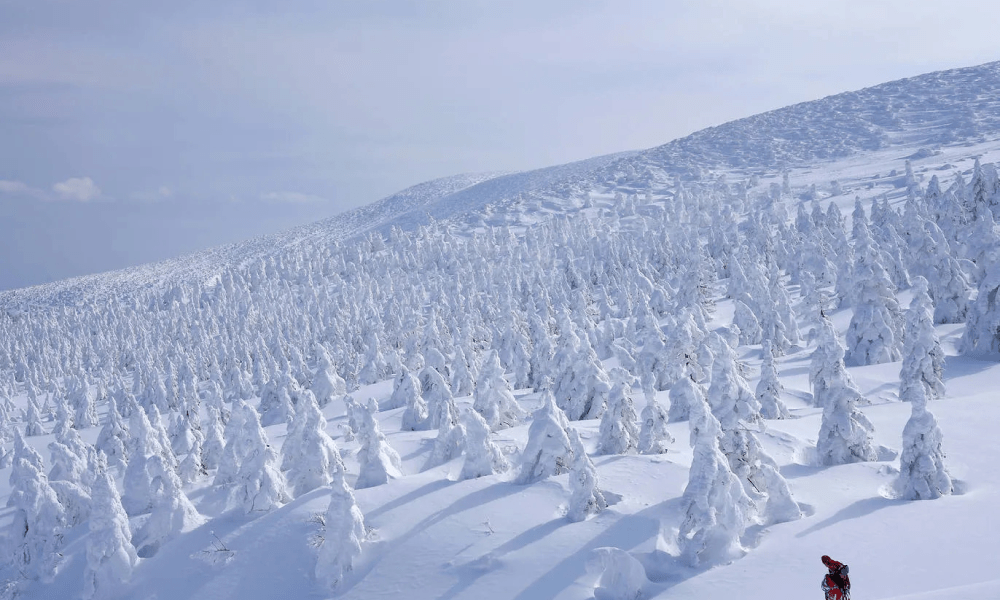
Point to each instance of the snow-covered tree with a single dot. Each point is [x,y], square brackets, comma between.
[585,498]
[172,511]
[415,416]
[33,420]
[110,553]
[582,387]
[437,395]
[922,473]
[493,397]
[874,335]
[215,441]
[923,359]
[728,394]
[653,434]
[259,484]
[462,381]
[619,431]
[405,392]
[482,456]
[379,462]
[344,530]
[548,451]
[845,433]
[769,388]
[309,455]
[716,509]
[683,395]
[450,438]
[36,528]
[111,439]
[326,384]
[982,329]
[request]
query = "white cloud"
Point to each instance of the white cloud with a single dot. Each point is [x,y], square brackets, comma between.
[18,188]
[80,189]
[291,197]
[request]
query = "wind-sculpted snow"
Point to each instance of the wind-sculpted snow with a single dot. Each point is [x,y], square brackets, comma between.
[926,111]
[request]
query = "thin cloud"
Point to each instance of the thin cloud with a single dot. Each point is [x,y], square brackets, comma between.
[291,197]
[79,189]
[21,189]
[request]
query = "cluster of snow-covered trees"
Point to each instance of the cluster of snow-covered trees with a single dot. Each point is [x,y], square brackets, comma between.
[183,382]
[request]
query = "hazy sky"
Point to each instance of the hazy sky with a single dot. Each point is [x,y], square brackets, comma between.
[135,130]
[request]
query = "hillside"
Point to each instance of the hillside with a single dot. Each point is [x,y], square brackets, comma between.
[698,357]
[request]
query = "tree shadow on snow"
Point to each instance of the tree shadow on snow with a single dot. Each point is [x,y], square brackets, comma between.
[856,510]
[627,532]
[478,498]
[405,499]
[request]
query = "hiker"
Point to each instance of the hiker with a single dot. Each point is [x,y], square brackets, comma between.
[836,584]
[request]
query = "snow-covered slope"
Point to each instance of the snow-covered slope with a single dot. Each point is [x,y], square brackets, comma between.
[915,116]
[628,270]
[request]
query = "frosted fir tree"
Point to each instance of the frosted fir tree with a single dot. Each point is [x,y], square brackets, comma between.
[683,395]
[114,433]
[769,387]
[193,466]
[379,462]
[922,472]
[437,395]
[215,441]
[259,484]
[450,438]
[33,420]
[845,433]
[619,431]
[276,404]
[585,498]
[729,395]
[405,386]
[948,284]
[581,385]
[309,455]
[462,381]
[826,365]
[749,325]
[159,433]
[716,509]
[482,456]
[71,478]
[415,416]
[653,434]
[82,400]
[38,522]
[110,553]
[172,511]
[874,335]
[548,451]
[982,330]
[137,493]
[923,359]
[326,384]
[494,399]
[344,531]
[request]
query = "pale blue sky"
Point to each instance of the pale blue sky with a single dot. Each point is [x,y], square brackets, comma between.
[132,131]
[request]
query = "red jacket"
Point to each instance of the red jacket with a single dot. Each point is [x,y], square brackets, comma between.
[836,584]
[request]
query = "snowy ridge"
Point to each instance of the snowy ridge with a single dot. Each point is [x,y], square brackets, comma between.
[922,113]
[948,107]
